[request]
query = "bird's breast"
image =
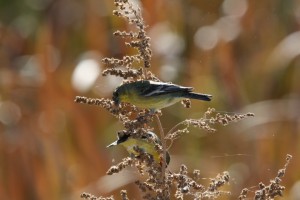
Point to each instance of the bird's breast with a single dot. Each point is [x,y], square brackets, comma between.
[147,147]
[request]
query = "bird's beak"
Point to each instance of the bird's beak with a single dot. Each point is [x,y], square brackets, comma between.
[112,144]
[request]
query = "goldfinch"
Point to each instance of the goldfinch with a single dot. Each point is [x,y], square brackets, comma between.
[154,95]
[148,147]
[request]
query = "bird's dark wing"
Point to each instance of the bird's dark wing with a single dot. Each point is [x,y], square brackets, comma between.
[158,88]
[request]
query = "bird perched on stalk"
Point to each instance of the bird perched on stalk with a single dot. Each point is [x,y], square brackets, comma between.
[154,95]
[144,143]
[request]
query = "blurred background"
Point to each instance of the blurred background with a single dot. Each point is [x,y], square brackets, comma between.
[245,53]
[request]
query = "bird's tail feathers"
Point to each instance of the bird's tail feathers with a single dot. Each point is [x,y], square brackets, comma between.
[199,96]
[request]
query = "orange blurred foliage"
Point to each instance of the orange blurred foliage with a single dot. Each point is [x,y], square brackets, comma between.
[243,52]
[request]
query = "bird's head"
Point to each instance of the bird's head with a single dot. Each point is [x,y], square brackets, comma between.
[121,138]
[119,94]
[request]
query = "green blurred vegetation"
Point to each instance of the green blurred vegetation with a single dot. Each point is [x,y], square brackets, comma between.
[246,56]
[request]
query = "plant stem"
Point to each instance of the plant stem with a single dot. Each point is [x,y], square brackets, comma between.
[163,142]
[173,129]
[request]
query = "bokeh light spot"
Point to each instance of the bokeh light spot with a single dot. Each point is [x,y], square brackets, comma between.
[165,41]
[10,113]
[295,191]
[106,85]
[85,74]
[228,27]
[235,7]
[206,37]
